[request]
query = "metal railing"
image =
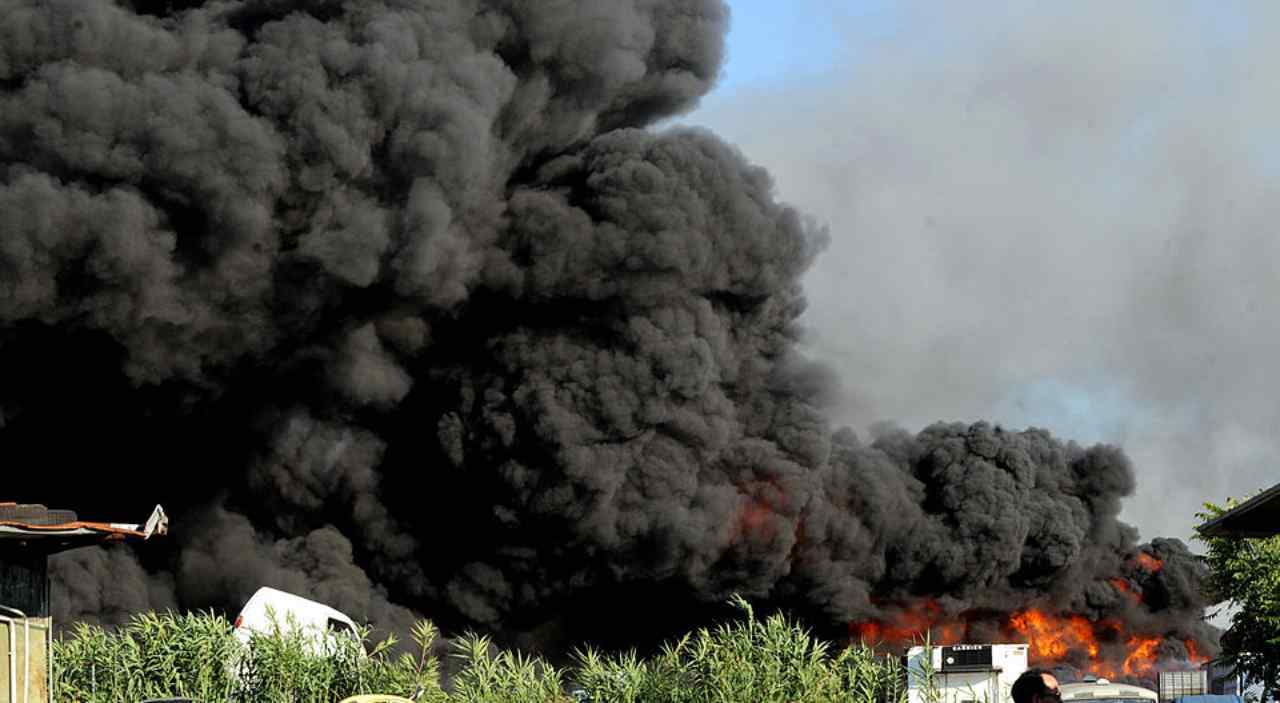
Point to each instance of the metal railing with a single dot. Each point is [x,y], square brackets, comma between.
[13,619]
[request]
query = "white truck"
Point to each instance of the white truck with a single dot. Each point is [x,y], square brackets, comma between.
[964,673]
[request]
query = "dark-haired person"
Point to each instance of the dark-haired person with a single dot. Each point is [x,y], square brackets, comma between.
[1036,686]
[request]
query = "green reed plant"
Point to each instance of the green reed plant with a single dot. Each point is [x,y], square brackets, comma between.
[197,656]
[766,661]
[490,676]
[750,660]
[154,656]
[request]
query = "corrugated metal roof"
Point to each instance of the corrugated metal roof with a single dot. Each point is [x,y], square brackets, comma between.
[1257,517]
[70,535]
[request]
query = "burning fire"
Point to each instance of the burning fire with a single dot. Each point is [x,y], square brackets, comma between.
[1052,639]
[1142,656]
[909,625]
[1101,647]
[1148,563]
[1123,586]
[1193,652]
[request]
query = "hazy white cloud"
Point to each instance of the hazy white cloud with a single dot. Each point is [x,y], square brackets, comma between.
[1052,214]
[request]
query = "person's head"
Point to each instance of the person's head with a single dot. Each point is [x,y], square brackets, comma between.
[1036,686]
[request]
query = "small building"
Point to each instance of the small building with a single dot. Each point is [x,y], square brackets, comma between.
[29,534]
[1257,517]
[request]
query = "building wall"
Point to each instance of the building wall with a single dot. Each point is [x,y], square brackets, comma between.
[24,582]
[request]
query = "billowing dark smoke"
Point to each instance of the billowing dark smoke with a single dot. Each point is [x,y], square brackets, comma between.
[399,304]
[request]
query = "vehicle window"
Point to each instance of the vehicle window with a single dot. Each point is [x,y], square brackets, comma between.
[342,628]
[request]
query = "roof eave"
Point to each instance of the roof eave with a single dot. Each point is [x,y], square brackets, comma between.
[1221,526]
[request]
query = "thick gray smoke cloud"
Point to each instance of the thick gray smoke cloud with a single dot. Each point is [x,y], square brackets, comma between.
[401,306]
[1058,215]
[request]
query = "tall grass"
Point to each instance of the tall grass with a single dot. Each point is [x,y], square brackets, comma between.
[774,660]
[750,660]
[197,656]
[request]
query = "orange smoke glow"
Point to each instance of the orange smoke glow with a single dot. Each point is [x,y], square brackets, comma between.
[1124,587]
[909,626]
[1148,563]
[754,517]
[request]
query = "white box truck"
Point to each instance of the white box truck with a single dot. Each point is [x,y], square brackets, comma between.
[964,673]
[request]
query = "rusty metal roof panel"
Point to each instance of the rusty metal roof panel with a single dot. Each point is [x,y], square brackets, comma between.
[67,535]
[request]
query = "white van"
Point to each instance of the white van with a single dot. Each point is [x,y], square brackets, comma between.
[270,610]
[1103,691]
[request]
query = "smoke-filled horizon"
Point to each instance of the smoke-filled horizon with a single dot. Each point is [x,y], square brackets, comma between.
[1057,216]
[404,306]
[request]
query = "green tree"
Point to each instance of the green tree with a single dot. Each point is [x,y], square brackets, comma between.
[1247,571]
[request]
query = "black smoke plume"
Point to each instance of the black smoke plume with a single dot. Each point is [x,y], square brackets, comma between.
[408,306]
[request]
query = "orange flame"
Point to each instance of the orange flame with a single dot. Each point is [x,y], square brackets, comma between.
[1193,653]
[1053,638]
[1142,656]
[1148,563]
[1106,647]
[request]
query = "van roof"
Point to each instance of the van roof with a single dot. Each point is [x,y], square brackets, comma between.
[1089,690]
[281,600]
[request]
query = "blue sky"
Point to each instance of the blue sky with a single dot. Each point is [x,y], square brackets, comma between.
[1155,349]
[771,42]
